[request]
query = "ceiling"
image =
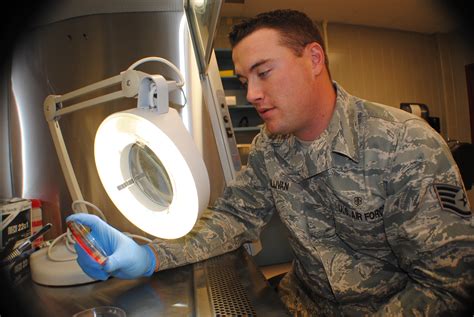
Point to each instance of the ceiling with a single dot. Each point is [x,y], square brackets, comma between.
[424,16]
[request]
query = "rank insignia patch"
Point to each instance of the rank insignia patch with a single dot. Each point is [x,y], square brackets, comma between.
[452,198]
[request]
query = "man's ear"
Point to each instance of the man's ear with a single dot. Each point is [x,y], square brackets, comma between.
[317,57]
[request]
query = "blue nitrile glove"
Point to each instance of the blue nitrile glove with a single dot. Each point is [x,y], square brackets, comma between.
[125,258]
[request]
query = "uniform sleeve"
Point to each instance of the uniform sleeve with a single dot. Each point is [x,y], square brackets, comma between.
[429,226]
[237,217]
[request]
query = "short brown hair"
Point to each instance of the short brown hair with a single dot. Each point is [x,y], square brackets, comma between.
[296,29]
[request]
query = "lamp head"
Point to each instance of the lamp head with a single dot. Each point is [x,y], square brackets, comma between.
[152,171]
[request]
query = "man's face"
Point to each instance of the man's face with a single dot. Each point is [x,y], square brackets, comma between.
[279,83]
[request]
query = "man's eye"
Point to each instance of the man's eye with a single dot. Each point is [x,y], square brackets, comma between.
[263,74]
[244,84]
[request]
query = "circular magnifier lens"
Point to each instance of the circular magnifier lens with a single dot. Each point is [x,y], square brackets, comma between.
[149,175]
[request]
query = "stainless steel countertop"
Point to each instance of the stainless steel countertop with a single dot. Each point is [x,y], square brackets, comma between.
[179,292]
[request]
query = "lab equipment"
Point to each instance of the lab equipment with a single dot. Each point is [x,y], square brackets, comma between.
[129,145]
[86,241]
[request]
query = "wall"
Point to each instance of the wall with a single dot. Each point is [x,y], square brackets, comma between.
[386,66]
[390,67]
[455,53]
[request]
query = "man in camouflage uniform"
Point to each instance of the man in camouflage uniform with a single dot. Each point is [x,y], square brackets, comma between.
[374,203]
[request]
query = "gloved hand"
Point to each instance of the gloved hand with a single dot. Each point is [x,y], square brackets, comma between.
[125,258]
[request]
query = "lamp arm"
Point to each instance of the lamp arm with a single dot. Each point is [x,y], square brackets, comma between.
[152,92]
[65,163]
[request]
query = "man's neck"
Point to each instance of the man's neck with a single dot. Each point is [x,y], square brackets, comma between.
[326,103]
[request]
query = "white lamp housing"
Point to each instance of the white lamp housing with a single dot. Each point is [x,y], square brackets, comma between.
[152,170]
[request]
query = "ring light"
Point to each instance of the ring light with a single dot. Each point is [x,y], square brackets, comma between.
[152,171]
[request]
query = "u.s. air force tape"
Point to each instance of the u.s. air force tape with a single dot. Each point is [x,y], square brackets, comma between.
[452,198]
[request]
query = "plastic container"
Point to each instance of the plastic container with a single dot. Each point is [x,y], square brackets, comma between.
[84,238]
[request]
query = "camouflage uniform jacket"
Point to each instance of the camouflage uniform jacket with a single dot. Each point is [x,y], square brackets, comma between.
[377,214]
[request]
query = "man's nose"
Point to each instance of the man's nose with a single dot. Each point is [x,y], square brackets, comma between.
[254,93]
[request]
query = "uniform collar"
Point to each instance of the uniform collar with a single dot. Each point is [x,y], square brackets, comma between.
[343,128]
[339,138]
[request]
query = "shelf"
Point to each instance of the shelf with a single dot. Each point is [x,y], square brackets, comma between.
[246,129]
[223,54]
[241,107]
[224,58]
[227,73]
[231,82]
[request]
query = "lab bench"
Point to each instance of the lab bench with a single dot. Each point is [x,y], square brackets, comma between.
[226,285]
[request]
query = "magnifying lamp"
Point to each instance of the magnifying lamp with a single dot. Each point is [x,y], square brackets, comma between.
[147,161]
[152,171]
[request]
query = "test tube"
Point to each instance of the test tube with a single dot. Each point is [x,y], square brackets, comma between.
[83,237]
